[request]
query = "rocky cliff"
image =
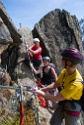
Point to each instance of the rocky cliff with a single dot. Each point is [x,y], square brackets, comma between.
[57,30]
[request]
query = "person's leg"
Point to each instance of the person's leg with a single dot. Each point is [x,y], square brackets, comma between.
[36,63]
[27,61]
[58,116]
[71,106]
[70,120]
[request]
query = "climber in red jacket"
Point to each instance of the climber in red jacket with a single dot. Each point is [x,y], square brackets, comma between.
[35,53]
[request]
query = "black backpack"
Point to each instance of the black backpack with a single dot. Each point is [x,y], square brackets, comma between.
[54,67]
[81,101]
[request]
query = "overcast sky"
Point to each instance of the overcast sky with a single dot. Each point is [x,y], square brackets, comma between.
[29,12]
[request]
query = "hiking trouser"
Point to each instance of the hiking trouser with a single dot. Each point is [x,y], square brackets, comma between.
[36,63]
[60,114]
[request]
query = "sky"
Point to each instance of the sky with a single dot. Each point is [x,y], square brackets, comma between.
[29,12]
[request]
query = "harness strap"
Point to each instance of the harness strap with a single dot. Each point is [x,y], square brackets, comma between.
[73,113]
[77,79]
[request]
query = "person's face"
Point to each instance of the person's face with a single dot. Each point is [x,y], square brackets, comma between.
[64,63]
[36,43]
[45,62]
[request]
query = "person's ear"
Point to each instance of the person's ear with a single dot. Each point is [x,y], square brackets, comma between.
[69,63]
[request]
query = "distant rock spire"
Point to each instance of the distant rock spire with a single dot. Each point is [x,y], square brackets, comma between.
[81,22]
[20,25]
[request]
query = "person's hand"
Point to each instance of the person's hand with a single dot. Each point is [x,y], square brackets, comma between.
[42,89]
[29,88]
[29,49]
[30,54]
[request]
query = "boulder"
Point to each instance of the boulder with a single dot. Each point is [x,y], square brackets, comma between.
[58,30]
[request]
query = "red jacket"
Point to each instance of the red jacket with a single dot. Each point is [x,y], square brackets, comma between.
[38,55]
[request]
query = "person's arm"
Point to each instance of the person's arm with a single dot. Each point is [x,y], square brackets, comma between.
[34,70]
[50,87]
[31,47]
[54,73]
[29,53]
[48,96]
[35,51]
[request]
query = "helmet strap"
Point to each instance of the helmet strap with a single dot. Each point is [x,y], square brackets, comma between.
[65,63]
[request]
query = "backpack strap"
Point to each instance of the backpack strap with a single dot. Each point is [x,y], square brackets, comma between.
[78,80]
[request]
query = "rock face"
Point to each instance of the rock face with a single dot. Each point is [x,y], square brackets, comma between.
[9,44]
[9,40]
[58,30]
[26,34]
[8,32]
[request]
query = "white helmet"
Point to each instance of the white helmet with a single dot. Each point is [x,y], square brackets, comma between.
[36,40]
